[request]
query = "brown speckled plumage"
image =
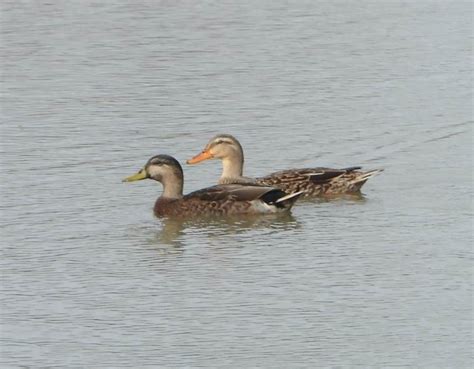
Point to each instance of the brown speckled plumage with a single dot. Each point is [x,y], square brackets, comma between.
[219,200]
[312,181]
[229,199]
[327,183]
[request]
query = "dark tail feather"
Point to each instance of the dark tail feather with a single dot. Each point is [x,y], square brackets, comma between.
[351,169]
[290,199]
[325,176]
[281,199]
[359,181]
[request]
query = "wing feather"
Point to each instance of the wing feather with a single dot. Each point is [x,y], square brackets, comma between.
[230,192]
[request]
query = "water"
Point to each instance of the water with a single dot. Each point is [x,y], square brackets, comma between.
[92,90]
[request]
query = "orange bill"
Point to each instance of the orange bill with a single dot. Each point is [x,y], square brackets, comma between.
[205,155]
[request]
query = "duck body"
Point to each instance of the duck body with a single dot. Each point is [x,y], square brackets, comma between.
[313,182]
[219,200]
[316,182]
[231,199]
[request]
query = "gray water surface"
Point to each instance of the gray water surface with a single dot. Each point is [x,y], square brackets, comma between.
[91,90]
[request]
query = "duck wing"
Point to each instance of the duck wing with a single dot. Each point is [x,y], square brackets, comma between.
[238,199]
[316,175]
[233,192]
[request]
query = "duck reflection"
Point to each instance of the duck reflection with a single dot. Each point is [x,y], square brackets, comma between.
[175,231]
[356,197]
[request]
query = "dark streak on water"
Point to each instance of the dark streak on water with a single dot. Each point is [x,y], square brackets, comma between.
[91,90]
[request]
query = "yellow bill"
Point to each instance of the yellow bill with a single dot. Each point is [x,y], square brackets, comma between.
[136,177]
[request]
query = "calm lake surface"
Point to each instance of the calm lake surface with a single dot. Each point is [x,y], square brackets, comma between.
[91,90]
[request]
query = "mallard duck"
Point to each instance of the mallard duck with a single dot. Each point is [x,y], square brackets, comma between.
[312,181]
[226,199]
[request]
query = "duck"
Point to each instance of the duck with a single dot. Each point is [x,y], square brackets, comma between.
[218,200]
[313,182]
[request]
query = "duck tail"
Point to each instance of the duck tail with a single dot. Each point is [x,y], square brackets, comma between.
[279,201]
[359,180]
[286,202]
[292,196]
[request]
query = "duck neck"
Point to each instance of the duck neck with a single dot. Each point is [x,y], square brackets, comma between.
[172,186]
[232,166]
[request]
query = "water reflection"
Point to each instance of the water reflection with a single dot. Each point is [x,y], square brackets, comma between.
[358,197]
[174,231]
